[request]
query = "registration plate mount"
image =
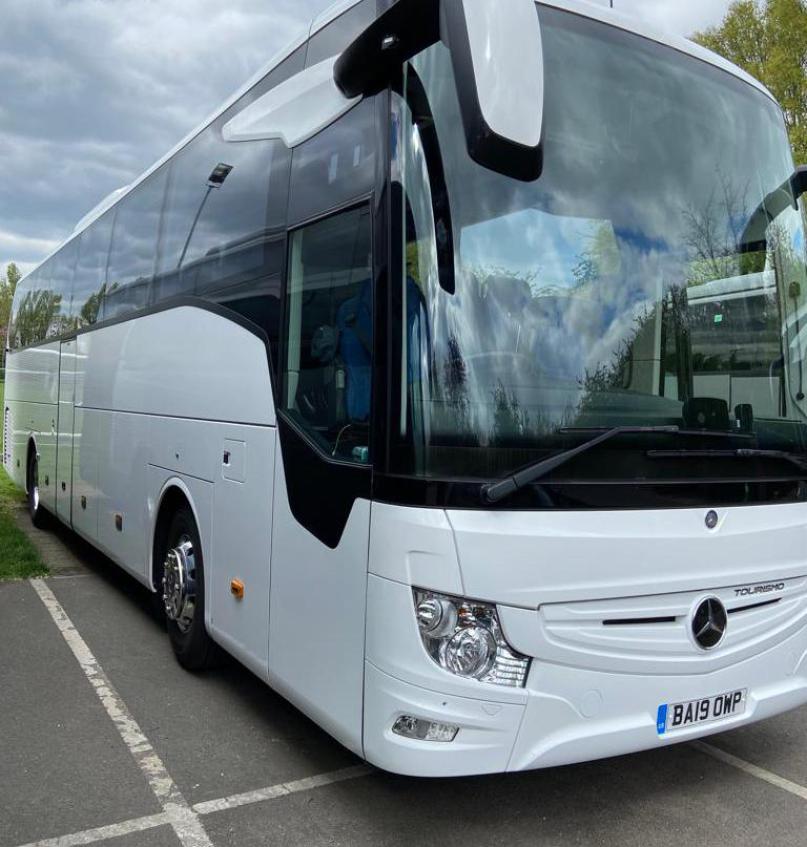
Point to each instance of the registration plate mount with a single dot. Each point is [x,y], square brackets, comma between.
[676,716]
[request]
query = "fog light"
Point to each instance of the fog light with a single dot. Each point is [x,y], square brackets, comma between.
[422,730]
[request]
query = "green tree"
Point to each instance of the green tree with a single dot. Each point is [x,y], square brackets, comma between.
[8,285]
[768,39]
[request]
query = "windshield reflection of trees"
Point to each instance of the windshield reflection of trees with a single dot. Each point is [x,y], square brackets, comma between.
[695,328]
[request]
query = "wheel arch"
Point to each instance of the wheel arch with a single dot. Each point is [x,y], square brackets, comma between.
[173,494]
[30,448]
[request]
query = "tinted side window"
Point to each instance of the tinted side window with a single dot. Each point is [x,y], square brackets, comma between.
[89,281]
[62,267]
[333,38]
[134,247]
[14,327]
[335,166]
[329,331]
[223,231]
[37,308]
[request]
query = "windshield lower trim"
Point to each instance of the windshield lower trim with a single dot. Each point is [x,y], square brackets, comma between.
[594,494]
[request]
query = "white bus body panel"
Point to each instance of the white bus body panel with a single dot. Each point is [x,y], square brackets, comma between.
[293,111]
[593,690]
[529,558]
[185,362]
[32,394]
[317,618]
[145,390]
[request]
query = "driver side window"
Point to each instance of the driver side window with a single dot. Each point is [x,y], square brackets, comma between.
[329,332]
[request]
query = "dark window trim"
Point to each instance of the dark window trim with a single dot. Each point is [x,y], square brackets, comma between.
[347,481]
[384,259]
[359,201]
[304,435]
[345,206]
[466,494]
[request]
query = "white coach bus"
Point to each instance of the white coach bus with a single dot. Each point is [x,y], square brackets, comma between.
[451,378]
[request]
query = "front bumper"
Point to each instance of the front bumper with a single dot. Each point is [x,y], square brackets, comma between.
[564,715]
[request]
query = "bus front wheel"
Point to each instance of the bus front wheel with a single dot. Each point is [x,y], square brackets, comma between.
[183,587]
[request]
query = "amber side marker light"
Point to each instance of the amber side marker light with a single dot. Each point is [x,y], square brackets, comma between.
[237,589]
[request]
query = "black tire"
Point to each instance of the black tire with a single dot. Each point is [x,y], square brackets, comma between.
[35,510]
[193,647]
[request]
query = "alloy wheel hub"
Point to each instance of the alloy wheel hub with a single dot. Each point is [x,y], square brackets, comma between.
[179,584]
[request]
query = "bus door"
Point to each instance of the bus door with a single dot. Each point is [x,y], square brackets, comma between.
[66,428]
[320,532]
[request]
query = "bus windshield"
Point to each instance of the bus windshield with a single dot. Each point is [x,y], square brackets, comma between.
[632,284]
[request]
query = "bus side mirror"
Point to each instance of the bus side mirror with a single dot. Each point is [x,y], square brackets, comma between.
[497,56]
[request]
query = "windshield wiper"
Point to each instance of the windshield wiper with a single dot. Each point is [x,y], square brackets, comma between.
[496,491]
[740,453]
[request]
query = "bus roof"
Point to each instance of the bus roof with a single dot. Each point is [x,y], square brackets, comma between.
[580,7]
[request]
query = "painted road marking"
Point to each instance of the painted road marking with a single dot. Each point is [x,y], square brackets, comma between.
[280,790]
[115,830]
[271,792]
[182,818]
[751,770]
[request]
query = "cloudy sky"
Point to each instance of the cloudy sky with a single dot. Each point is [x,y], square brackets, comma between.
[93,91]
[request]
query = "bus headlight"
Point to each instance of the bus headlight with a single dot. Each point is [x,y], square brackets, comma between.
[465,638]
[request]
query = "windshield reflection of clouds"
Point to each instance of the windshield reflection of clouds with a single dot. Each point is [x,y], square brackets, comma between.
[571,292]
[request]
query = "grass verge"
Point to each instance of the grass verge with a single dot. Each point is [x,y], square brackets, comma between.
[19,559]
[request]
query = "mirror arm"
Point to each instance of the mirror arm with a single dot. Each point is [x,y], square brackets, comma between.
[377,54]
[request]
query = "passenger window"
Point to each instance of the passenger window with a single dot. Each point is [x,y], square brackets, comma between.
[334,167]
[63,265]
[15,332]
[328,349]
[90,278]
[134,247]
[34,309]
[224,227]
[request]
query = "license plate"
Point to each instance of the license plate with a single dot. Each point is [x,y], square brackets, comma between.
[675,716]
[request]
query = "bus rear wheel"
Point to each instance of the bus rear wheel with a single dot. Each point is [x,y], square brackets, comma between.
[35,510]
[183,589]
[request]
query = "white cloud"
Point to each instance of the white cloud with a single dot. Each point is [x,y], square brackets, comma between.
[93,92]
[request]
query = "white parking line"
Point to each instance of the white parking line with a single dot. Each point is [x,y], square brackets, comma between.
[752,770]
[182,818]
[271,792]
[115,830]
[280,790]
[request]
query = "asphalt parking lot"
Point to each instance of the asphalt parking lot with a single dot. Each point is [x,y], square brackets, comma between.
[105,740]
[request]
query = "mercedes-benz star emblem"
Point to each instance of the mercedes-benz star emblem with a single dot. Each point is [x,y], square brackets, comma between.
[709,623]
[711,519]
